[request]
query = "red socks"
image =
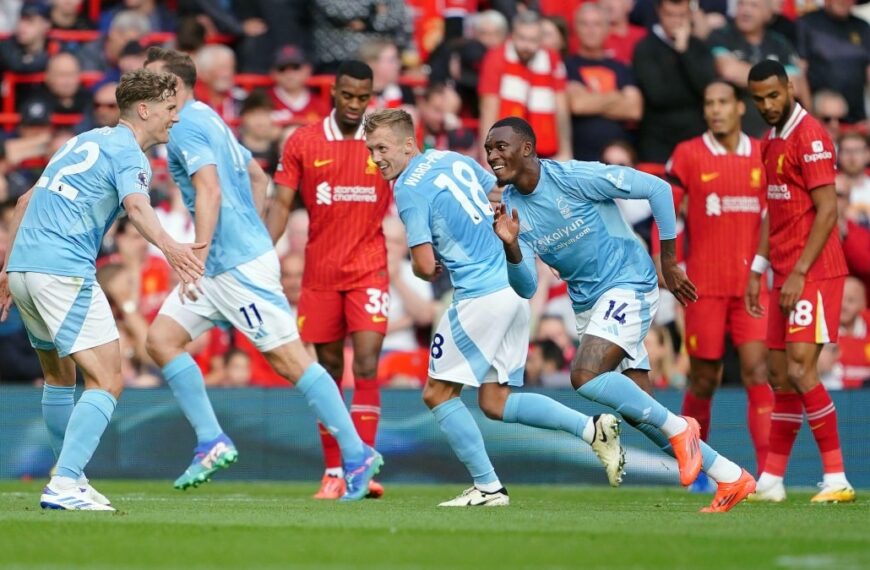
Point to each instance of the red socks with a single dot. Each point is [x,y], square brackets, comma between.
[698,408]
[365,409]
[758,413]
[822,417]
[785,423]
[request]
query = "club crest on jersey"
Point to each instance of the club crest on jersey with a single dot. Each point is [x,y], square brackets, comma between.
[371,167]
[755,178]
[563,207]
[780,160]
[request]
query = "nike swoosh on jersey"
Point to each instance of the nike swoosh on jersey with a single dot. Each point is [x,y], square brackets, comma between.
[792,330]
[318,163]
[379,319]
[708,176]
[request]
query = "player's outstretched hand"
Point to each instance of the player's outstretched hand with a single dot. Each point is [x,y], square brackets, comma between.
[751,298]
[678,283]
[5,297]
[183,259]
[791,291]
[506,227]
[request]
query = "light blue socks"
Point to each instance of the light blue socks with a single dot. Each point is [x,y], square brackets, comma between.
[88,421]
[619,392]
[465,439]
[540,411]
[185,379]
[57,406]
[323,396]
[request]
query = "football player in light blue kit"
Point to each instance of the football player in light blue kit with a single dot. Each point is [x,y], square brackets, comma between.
[56,233]
[482,340]
[224,190]
[564,213]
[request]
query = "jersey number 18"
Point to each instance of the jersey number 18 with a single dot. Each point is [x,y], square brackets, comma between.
[465,174]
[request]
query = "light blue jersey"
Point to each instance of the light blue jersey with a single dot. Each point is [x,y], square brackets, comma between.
[442,200]
[572,223]
[76,200]
[202,138]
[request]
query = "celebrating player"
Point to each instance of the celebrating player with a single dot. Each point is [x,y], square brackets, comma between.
[808,274]
[345,284]
[242,286]
[68,319]
[483,338]
[565,213]
[721,172]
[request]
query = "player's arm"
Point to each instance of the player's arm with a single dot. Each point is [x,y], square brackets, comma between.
[17,215]
[182,257]
[279,211]
[825,202]
[522,273]
[207,205]
[759,267]
[259,185]
[423,262]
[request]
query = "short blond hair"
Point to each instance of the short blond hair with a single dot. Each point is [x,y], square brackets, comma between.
[144,85]
[397,120]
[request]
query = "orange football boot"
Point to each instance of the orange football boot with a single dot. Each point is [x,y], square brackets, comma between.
[729,494]
[376,490]
[331,488]
[687,449]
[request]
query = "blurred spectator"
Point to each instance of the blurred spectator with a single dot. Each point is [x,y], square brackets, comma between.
[635,212]
[555,34]
[34,128]
[672,68]
[854,237]
[159,17]
[383,57]
[342,26]
[664,369]
[237,370]
[520,78]
[132,57]
[292,101]
[14,152]
[116,282]
[104,54]
[439,124]
[854,341]
[412,302]
[105,106]
[258,132]
[743,43]
[602,94]
[836,47]
[623,35]
[261,40]
[67,15]
[853,159]
[190,35]
[26,50]
[62,93]
[781,24]
[9,15]
[215,72]
[545,366]
[553,327]
[830,108]
[292,267]
[489,28]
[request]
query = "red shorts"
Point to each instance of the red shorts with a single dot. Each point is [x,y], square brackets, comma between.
[327,316]
[815,319]
[709,318]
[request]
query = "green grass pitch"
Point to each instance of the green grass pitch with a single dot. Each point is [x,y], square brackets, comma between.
[271,525]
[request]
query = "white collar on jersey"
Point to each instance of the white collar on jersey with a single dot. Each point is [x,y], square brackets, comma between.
[744,145]
[797,115]
[333,133]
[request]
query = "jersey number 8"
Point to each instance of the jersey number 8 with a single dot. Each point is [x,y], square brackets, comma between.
[465,174]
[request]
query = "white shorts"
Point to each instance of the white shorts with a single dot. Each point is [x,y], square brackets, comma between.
[485,339]
[248,297]
[622,317]
[66,314]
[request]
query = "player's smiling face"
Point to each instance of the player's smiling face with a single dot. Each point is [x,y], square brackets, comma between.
[722,109]
[351,97]
[773,99]
[505,152]
[164,114]
[389,152]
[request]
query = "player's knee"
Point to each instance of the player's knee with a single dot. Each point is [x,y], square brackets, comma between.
[754,373]
[492,408]
[798,375]
[580,376]
[365,365]
[154,348]
[434,394]
[702,386]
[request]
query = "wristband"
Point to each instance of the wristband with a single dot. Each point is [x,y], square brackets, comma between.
[759,264]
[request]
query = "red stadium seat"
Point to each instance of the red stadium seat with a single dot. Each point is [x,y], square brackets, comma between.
[11,80]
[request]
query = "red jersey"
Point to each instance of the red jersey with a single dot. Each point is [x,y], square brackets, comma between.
[854,344]
[621,48]
[346,198]
[301,110]
[797,160]
[725,200]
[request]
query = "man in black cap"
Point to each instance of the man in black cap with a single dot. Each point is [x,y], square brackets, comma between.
[292,101]
[26,50]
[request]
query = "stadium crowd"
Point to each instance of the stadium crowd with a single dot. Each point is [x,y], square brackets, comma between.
[618,81]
